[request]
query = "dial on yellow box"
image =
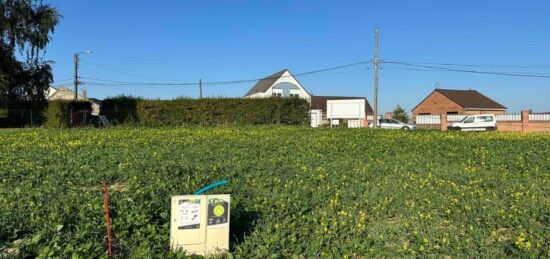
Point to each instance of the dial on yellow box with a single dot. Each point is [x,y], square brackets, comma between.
[199,224]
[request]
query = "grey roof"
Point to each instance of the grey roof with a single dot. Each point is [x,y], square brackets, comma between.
[264,84]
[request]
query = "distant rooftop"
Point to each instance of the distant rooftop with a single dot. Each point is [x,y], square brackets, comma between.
[264,84]
[471,99]
[468,99]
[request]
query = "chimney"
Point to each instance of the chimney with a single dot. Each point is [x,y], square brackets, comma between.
[84,92]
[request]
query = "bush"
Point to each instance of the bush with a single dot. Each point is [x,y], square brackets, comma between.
[63,113]
[206,112]
[22,114]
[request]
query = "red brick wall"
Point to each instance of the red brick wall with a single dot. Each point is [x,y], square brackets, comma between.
[435,104]
[509,126]
[538,126]
[532,126]
[524,125]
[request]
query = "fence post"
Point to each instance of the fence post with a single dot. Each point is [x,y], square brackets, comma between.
[525,120]
[443,121]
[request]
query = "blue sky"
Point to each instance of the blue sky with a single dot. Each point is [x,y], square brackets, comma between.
[183,41]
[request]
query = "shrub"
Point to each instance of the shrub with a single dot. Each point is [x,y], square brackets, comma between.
[206,112]
[63,113]
[22,114]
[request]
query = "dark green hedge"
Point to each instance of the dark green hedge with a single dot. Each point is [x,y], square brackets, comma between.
[22,114]
[206,112]
[62,113]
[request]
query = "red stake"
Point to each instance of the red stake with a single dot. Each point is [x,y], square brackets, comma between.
[107,220]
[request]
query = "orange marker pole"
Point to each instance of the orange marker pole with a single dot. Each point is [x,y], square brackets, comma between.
[107,220]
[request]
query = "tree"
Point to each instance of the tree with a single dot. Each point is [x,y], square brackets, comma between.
[25,29]
[400,114]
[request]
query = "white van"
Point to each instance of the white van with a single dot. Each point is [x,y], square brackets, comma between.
[479,122]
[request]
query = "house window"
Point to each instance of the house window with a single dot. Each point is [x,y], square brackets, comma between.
[285,88]
[277,94]
[294,95]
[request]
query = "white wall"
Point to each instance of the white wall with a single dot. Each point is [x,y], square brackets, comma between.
[346,109]
[50,92]
[95,108]
[316,118]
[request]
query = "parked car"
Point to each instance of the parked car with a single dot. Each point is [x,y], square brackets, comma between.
[393,124]
[480,122]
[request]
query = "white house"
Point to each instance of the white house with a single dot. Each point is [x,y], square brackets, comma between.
[281,84]
[64,93]
[353,110]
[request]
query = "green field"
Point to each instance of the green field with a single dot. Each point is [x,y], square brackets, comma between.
[295,191]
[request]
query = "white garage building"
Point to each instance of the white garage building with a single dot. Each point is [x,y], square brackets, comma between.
[325,110]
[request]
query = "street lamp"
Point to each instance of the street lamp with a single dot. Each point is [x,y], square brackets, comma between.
[76,60]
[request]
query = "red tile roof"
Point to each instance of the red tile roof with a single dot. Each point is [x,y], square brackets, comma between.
[468,99]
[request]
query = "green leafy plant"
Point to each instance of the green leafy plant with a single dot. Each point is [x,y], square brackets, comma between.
[400,114]
[295,191]
[61,113]
[206,112]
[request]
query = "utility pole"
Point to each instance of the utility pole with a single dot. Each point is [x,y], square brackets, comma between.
[200,88]
[76,60]
[76,76]
[375,63]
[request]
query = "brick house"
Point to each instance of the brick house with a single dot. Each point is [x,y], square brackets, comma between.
[449,101]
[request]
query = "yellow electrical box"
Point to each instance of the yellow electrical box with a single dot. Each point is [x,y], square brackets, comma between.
[199,224]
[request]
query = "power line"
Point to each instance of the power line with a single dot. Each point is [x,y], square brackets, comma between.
[469,71]
[299,74]
[444,70]
[59,81]
[119,71]
[135,83]
[58,85]
[472,65]
[115,82]
[164,87]
[410,69]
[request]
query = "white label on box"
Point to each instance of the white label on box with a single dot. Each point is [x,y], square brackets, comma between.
[190,213]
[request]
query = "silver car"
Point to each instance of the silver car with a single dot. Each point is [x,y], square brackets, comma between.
[393,124]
